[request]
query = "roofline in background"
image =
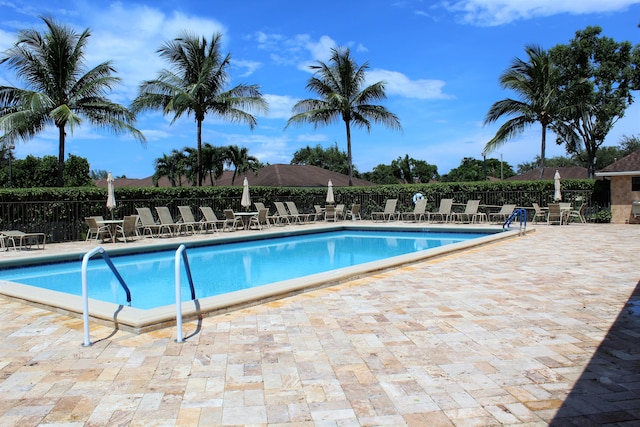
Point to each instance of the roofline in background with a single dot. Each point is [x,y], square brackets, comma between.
[625,173]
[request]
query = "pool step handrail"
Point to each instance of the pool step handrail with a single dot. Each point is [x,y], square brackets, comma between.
[181,252]
[85,286]
[519,213]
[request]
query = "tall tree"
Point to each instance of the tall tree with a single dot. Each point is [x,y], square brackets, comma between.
[241,161]
[343,95]
[196,85]
[214,159]
[58,91]
[535,82]
[598,75]
[330,159]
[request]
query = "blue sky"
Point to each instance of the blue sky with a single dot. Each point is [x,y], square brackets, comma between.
[441,61]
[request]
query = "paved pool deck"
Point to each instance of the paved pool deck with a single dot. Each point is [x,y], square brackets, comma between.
[542,329]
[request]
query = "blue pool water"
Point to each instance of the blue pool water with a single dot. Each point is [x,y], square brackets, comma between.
[223,268]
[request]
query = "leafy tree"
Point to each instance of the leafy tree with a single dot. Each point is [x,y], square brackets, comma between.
[342,96]
[402,170]
[58,90]
[241,161]
[471,169]
[553,162]
[96,174]
[32,172]
[330,159]
[382,174]
[77,172]
[424,172]
[597,76]
[197,85]
[409,170]
[629,144]
[535,81]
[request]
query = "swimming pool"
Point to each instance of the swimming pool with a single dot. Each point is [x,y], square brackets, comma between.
[232,274]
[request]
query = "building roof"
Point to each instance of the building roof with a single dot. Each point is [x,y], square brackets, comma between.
[628,165]
[279,175]
[569,172]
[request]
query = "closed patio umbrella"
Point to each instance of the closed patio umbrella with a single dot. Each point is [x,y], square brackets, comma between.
[557,196]
[330,199]
[111,196]
[246,199]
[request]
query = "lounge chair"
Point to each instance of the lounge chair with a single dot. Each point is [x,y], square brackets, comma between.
[502,215]
[147,222]
[555,214]
[260,220]
[187,220]
[166,220]
[129,228]
[330,213]
[231,221]
[271,219]
[419,211]
[96,231]
[389,212]
[354,212]
[578,214]
[210,220]
[283,215]
[470,213]
[443,212]
[299,217]
[537,212]
[20,239]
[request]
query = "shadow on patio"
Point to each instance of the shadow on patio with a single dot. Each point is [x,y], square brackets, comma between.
[608,391]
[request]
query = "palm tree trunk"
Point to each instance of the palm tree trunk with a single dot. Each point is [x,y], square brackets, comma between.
[61,138]
[349,153]
[543,146]
[199,171]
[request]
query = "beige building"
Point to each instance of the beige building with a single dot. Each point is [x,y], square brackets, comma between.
[624,175]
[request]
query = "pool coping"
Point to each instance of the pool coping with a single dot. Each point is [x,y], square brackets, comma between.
[141,321]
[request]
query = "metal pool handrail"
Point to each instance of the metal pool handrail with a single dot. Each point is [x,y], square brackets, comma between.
[520,213]
[85,287]
[181,252]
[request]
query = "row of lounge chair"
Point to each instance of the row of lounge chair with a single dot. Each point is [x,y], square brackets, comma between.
[445,213]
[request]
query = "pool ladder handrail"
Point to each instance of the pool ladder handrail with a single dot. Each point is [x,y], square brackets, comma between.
[181,252]
[85,287]
[520,213]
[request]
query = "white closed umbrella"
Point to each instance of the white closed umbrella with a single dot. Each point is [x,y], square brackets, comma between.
[557,195]
[111,196]
[330,199]
[246,199]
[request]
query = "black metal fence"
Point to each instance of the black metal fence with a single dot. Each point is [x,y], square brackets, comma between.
[64,220]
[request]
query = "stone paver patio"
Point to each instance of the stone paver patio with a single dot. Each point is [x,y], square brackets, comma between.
[535,330]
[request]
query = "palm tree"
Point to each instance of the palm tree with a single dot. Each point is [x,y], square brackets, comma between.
[196,85]
[342,96]
[58,91]
[213,159]
[536,84]
[241,161]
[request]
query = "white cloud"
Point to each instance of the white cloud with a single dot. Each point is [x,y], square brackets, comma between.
[279,106]
[312,137]
[399,84]
[250,66]
[498,12]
